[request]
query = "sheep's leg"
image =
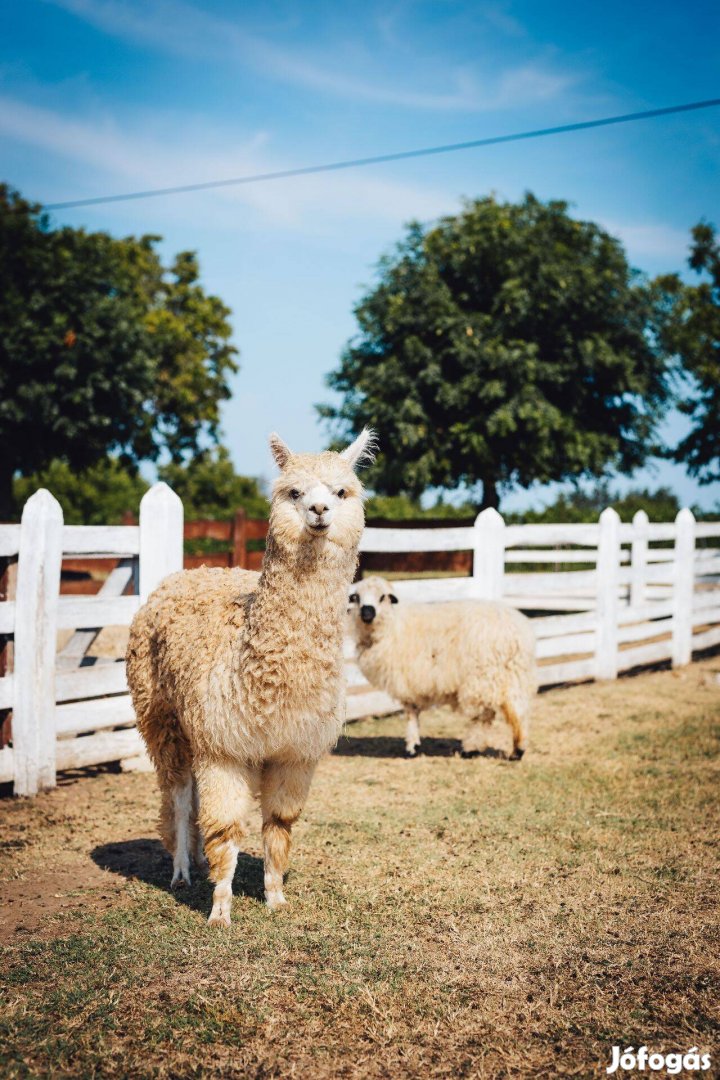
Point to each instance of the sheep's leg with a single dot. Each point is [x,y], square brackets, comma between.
[226,793]
[412,733]
[475,740]
[518,725]
[283,790]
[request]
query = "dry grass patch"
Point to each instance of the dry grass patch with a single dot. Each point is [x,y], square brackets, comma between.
[449,917]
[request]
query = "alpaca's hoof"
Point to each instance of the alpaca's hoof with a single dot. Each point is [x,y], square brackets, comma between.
[275,901]
[517,754]
[180,880]
[469,753]
[220,919]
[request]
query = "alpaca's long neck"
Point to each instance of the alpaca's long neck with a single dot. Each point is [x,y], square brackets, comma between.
[301,599]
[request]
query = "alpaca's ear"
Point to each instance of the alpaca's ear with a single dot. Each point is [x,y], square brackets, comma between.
[280,451]
[362,451]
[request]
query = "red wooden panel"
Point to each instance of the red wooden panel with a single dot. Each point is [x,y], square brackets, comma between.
[208,530]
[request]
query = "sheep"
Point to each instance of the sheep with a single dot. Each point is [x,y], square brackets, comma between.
[237,677]
[475,655]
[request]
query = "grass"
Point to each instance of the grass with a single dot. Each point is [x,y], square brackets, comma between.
[449,918]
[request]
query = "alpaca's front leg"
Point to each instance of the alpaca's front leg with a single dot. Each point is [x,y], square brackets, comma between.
[226,795]
[283,790]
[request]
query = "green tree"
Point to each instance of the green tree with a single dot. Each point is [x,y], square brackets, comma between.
[586,506]
[98,495]
[210,488]
[505,346]
[102,349]
[692,332]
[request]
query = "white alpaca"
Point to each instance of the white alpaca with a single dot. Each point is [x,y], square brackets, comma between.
[237,677]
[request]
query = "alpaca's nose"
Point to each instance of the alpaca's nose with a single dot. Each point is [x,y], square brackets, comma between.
[319,509]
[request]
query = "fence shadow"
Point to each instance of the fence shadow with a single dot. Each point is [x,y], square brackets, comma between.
[147,860]
[387,746]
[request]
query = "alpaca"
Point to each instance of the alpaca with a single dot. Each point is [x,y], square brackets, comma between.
[476,655]
[237,677]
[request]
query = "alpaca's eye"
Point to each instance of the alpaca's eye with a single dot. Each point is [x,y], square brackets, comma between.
[295,494]
[341,493]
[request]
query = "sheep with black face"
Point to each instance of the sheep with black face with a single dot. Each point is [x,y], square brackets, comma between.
[477,656]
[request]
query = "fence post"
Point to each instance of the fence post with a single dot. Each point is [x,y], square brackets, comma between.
[239,539]
[161,537]
[489,555]
[638,559]
[608,576]
[36,603]
[683,587]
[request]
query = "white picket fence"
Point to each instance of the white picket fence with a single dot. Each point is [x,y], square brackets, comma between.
[640,593]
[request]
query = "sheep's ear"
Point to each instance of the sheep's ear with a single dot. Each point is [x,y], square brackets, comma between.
[362,451]
[392,598]
[280,451]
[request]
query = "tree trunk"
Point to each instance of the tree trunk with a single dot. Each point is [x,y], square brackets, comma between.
[6,497]
[490,496]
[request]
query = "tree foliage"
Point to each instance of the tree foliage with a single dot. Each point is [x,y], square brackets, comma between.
[692,332]
[101,494]
[102,348]
[210,488]
[505,346]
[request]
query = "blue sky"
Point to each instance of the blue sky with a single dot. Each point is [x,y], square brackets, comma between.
[105,96]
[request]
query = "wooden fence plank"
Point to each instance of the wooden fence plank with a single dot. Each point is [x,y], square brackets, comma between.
[639,559]
[161,537]
[101,541]
[7,617]
[81,716]
[683,587]
[388,540]
[98,749]
[607,595]
[644,654]
[544,535]
[565,645]
[707,639]
[87,612]
[6,692]
[90,682]
[38,588]
[569,671]
[488,576]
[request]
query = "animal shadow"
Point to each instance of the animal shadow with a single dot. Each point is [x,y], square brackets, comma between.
[387,746]
[147,860]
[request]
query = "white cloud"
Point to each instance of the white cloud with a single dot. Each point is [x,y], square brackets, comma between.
[159,153]
[180,28]
[651,241]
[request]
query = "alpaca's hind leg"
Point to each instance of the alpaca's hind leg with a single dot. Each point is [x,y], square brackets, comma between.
[283,790]
[517,721]
[412,733]
[181,795]
[475,738]
[226,796]
[172,757]
[196,838]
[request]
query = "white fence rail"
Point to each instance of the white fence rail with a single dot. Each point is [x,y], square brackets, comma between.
[608,597]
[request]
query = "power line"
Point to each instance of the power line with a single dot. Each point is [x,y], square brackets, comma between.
[380,159]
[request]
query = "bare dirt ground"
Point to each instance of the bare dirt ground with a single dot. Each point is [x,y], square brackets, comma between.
[448,918]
